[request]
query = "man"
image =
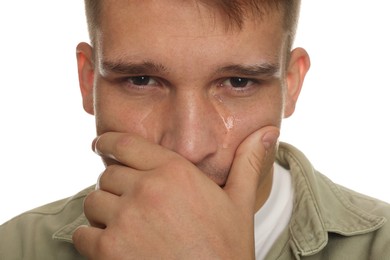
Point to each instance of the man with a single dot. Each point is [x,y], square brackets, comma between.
[188,98]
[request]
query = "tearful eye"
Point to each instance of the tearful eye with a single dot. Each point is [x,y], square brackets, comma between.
[142,80]
[237,82]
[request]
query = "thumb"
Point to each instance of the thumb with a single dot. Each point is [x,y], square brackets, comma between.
[253,160]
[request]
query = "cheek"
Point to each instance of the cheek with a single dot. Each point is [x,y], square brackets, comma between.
[249,117]
[114,112]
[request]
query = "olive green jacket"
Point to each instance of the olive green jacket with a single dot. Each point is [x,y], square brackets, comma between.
[328,222]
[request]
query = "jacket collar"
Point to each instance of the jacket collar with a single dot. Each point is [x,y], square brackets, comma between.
[66,232]
[320,206]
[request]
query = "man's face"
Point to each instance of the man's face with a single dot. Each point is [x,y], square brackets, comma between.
[173,73]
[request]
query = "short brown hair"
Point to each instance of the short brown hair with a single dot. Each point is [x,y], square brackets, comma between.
[233,10]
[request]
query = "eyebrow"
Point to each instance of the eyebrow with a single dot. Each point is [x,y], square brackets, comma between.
[264,70]
[146,67]
[149,67]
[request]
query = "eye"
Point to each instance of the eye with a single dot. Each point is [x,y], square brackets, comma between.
[142,81]
[238,83]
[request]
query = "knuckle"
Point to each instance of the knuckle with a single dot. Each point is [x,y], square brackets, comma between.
[155,191]
[110,171]
[112,174]
[152,188]
[90,200]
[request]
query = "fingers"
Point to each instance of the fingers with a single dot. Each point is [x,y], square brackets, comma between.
[85,239]
[116,179]
[99,208]
[114,182]
[253,158]
[132,150]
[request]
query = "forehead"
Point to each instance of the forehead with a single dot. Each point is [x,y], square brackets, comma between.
[177,26]
[229,13]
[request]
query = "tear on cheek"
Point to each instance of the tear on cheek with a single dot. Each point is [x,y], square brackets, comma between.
[229,123]
[227,118]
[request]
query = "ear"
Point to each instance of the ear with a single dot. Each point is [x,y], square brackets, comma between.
[297,68]
[85,67]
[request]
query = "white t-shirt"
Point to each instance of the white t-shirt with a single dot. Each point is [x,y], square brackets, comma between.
[274,216]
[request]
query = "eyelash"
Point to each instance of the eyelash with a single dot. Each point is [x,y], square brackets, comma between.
[131,81]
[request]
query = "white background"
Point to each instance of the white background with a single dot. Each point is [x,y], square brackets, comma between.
[341,123]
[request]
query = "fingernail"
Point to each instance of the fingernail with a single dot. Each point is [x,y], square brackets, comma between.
[97,186]
[94,144]
[270,138]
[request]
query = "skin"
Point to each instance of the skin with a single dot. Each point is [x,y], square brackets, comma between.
[189,151]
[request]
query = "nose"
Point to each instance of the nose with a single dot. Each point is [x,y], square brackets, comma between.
[191,126]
